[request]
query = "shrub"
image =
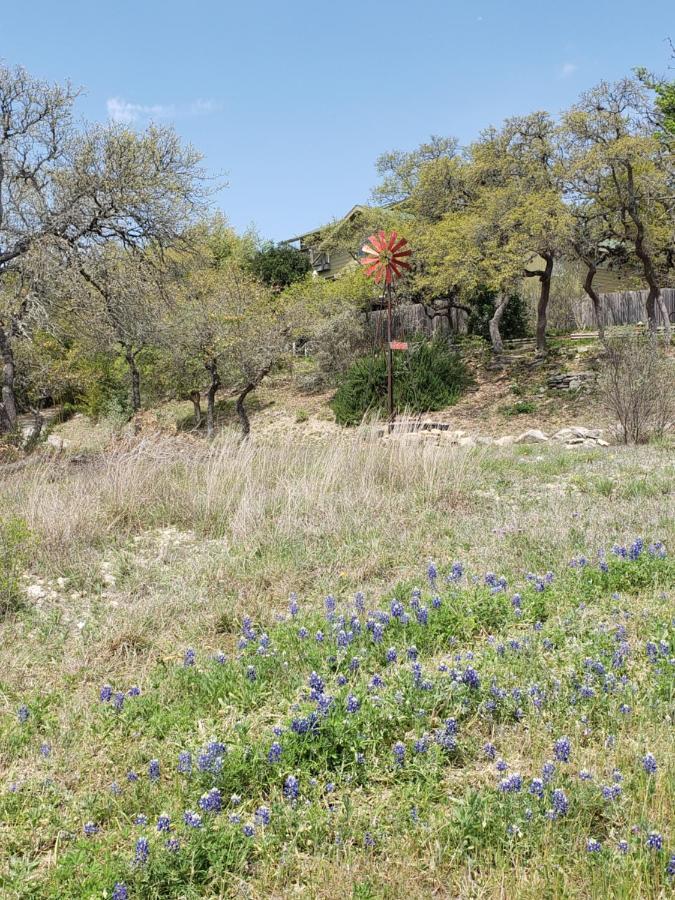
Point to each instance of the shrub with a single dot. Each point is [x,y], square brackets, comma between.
[14,536]
[342,340]
[427,377]
[635,384]
[514,320]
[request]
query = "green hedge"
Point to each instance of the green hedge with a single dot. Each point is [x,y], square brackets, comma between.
[427,377]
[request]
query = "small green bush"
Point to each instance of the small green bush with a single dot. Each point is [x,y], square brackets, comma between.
[427,377]
[514,320]
[14,537]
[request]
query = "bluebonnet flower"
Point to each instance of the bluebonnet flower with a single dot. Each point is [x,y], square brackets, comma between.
[422,615]
[377,632]
[456,572]
[415,598]
[303,633]
[670,868]
[657,549]
[360,601]
[397,609]
[189,657]
[432,573]
[649,763]
[118,700]
[353,703]
[547,771]
[105,694]
[134,691]
[142,851]
[654,841]
[585,775]
[593,846]
[421,745]
[391,655]
[399,752]
[512,784]
[248,830]
[235,800]
[90,828]
[436,602]
[501,765]
[184,762]
[172,845]
[234,819]
[341,680]
[562,749]
[45,750]
[619,551]
[377,681]
[291,788]
[293,605]
[316,683]
[560,802]
[192,819]
[251,673]
[153,769]
[489,750]
[318,637]
[132,776]
[622,846]
[120,891]
[636,548]
[274,753]
[211,801]
[263,815]
[247,629]
[141,819]
[368,840]
[471,678]
[163,822]
[329,603]
[611,791]
[220,657]
[537,787]
[342,638]
[115,789]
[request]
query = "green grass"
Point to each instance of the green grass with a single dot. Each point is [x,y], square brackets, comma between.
[157,556]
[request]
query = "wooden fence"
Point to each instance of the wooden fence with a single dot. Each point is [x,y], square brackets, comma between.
[622,308]
[619,308]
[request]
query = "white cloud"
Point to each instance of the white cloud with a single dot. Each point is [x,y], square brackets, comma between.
[568,69]
[120,110]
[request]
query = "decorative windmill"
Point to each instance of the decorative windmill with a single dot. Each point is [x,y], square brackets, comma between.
[384,260]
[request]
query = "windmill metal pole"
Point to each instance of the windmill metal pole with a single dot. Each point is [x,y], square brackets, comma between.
[390,362]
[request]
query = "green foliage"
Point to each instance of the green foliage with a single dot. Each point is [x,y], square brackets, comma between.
[427,377]
[14,541]
[514,320]
[279,265]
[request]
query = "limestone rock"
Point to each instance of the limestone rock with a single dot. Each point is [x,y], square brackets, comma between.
[532,436]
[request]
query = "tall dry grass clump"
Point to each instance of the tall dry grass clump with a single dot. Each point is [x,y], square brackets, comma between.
[244,493]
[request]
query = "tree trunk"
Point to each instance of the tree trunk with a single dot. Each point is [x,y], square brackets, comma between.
[211,398]
[196,398]
[7,396]
[595,299]
[241,410]
[666,319]
[130,357]
[501,302]
[241,400]
[643,254]
[542,306]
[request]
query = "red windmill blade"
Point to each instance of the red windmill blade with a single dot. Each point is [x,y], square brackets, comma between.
[384,257]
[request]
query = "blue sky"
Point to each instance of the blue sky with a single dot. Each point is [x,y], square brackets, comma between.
[294,101]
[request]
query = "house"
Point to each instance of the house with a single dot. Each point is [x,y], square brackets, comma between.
[330,262]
